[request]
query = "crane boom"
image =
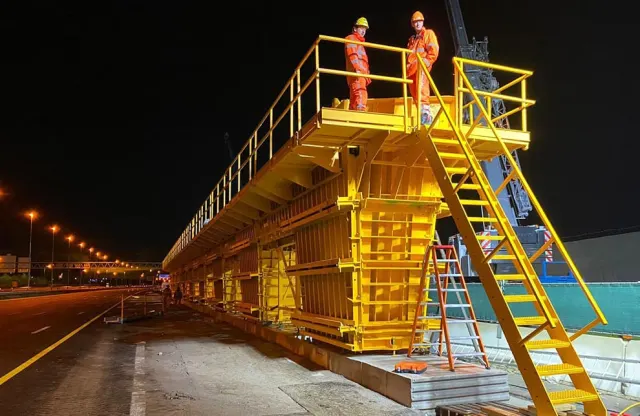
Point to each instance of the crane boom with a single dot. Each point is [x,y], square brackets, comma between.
[513,198]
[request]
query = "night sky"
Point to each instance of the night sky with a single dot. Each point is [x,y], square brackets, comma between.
[113,115]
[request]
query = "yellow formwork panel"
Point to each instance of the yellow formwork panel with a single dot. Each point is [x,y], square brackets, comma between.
[277,299]
[209,291]
[359,259]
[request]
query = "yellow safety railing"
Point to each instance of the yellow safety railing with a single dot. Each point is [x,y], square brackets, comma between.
[245,165]
[463,85]
[463,88]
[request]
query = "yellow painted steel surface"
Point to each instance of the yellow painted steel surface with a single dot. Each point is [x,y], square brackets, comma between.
[329,230]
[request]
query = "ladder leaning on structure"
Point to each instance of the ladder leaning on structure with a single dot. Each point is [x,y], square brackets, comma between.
[446,269]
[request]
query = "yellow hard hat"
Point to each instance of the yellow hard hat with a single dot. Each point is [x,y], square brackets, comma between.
[362,22]
[417,16]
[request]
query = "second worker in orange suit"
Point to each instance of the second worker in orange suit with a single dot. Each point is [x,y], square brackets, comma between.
[358,62]
[425,43]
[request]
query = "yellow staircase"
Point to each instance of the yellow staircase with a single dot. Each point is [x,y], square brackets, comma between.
[456,169]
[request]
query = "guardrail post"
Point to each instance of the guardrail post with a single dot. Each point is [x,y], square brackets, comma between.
[317,78]
[404,92]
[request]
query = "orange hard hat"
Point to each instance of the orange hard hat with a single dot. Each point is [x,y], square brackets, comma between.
[417,16]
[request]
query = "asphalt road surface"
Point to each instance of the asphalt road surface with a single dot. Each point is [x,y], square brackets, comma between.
[29,325]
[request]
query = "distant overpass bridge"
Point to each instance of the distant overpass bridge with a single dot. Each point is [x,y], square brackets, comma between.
[98,266]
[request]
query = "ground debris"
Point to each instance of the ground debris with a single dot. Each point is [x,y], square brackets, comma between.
[176,395]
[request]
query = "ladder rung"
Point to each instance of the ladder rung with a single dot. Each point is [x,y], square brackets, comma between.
[476,202]
[461,338]
[446,290]
[547,344]
[460,321]
[530,320]
[502,277]
[468,186]
[426,344]
[450,275]
[557,369]
[448,305]
[469,354]
[520,298]
[446,260]
[572,396]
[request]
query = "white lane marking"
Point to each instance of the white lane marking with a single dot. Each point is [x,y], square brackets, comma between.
[80,313]
[36,314]
[40,330]
[138,401]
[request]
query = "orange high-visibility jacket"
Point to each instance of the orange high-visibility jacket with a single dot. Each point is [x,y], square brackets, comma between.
[426,45]
[356,56]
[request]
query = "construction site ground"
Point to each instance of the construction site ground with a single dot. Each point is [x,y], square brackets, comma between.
[184,363]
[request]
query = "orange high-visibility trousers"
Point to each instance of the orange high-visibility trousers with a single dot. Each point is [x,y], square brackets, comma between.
[424,88]
[358,94]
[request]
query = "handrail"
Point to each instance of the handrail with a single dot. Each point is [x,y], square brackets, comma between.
[223,191]
[517,173]
[461,137]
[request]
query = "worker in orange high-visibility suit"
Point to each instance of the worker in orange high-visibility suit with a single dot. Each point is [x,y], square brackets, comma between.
[425,45]
[358,62]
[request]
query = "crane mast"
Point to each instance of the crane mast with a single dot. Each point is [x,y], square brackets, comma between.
[513,198]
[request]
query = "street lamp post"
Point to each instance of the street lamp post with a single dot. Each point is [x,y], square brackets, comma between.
[32,214]
[70,238]
[53,244]
[81,245]
[94,275]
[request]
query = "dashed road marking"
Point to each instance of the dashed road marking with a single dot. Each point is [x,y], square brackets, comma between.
[41,329]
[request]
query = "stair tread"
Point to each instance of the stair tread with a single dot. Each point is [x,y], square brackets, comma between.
[543,344]
[510,277]
[557,369]
[572,396]
[448,155]
[467,186]
[520,298]
[477,202]
[530,320]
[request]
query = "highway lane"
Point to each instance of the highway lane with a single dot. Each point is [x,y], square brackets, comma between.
[29,325]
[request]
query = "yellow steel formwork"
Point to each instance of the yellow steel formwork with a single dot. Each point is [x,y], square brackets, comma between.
[356,195]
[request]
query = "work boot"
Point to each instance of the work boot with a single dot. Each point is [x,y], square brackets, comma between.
[426,118]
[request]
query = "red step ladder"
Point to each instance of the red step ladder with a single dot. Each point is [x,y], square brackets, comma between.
[443,261]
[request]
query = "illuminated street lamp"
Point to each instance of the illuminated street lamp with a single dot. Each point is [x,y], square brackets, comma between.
[31,216]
